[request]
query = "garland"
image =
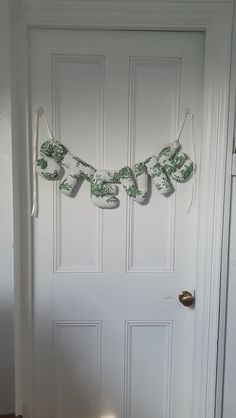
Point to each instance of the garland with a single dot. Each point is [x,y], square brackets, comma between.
[170,164]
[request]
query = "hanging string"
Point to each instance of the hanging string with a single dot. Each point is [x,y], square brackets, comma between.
[187,112]
[39,112]
[34,210]
[194,184]
[193,191]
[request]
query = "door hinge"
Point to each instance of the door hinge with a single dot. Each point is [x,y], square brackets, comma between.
[233,166]
[233,170]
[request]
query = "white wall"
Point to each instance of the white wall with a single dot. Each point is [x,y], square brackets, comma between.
[6,219]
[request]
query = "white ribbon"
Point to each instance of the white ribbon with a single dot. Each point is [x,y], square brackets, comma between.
[34,211]
[194,184]
[39,112]
[193,192]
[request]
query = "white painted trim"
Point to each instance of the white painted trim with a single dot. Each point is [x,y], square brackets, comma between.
[209,273]
[181,15]
[22,209]
[215,19]
[17,246]
[226,230]
[6,216]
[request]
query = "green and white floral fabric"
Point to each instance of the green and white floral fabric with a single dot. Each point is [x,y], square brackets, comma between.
[170,164]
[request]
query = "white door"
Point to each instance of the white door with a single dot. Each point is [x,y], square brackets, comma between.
[111,339]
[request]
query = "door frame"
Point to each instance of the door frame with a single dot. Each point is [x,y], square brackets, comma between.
[224,305]
[214,18]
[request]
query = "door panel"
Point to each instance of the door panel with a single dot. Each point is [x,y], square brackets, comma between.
[111,339]
[150,79]
[78,368]
[148,368]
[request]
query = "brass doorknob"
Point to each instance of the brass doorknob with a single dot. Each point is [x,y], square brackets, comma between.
[186,298]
